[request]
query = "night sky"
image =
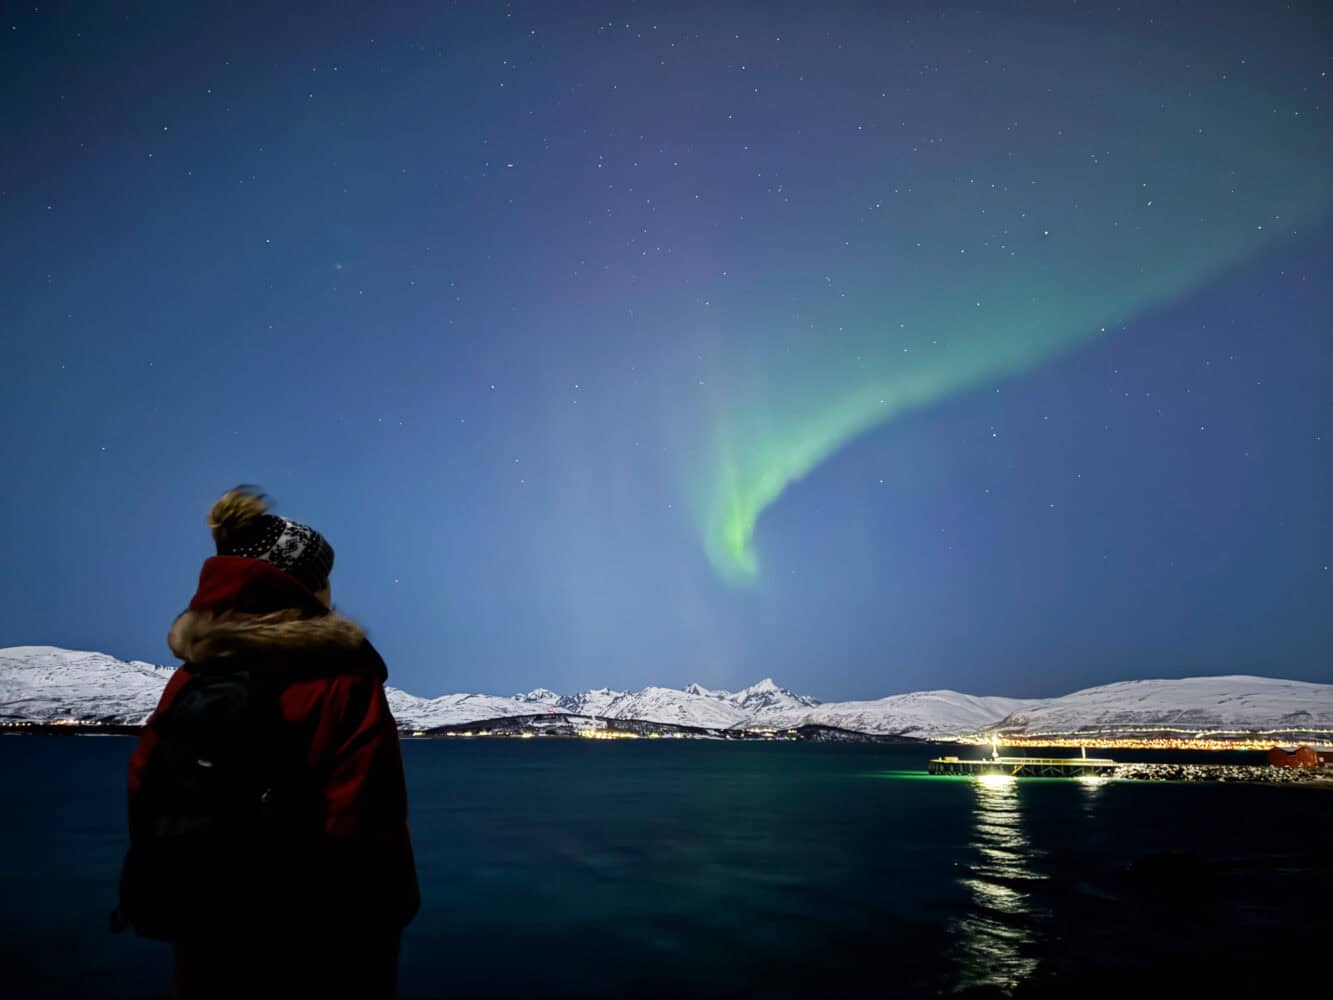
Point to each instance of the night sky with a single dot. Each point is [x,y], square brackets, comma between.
[873,347]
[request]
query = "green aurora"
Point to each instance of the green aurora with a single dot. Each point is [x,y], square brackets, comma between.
[984,266]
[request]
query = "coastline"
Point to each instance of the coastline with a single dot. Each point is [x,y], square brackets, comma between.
[1247,774]
[1140,772]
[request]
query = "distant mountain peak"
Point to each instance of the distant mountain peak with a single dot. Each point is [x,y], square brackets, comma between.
[768,694]
[544,696]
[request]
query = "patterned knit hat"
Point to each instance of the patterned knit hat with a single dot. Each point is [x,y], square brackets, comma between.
[242,526]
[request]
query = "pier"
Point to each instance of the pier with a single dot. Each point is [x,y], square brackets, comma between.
[1082,766]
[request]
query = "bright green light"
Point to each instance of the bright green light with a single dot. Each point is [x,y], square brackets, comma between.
[966,284]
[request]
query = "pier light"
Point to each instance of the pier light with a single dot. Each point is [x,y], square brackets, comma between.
[996,780]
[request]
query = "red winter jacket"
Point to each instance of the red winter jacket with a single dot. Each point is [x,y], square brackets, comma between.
[249,609]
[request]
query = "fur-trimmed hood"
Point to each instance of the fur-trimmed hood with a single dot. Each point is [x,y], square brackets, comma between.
[200,636]
[249,608]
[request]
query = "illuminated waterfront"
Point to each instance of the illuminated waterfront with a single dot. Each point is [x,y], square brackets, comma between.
[1159,739]
[594,728]
[1025,767]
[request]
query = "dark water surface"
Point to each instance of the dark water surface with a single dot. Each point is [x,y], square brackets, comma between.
[579,868]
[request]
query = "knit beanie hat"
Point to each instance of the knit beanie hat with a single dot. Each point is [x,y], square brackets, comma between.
[242,526]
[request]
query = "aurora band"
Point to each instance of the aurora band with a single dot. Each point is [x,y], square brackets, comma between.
[971,280]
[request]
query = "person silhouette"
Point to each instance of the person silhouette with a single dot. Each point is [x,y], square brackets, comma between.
[267,801]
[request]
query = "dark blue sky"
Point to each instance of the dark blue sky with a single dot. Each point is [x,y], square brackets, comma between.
[501,298]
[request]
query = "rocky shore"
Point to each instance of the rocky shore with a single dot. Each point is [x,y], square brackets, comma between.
[1254,774]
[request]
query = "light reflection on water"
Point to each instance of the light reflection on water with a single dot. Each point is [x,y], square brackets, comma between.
[996,938]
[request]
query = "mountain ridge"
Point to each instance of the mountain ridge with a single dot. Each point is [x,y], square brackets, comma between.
[47,683]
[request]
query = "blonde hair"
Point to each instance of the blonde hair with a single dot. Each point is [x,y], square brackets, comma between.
[235,511]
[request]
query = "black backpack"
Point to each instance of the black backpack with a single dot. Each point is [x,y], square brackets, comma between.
[225,807]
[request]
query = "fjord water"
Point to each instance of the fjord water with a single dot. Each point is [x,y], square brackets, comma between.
[605,869]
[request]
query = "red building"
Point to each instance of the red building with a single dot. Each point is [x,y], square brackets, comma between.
[1300,757]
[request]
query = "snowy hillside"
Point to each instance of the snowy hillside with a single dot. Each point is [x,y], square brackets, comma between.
[926,714]
[767,696]
[45,684]
[1193,703]
[693,706]
[412,712]
[594,702]
[539,696]
[659,704]
[48,684]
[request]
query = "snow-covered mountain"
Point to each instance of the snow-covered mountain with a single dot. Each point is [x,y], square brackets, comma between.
[44,684]
[692,706]
[704,692]
[1192,703]
[767,696]
[594,702]
[412,712]
[926,714]
[539,696]
[47,684]
[659,704]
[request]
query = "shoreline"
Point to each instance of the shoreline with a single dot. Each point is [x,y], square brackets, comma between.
[1204,773]
[1138,772]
